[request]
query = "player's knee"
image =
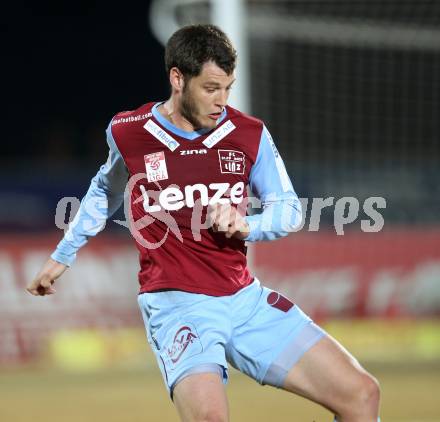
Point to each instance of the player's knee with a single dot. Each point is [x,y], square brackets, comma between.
[365,397]
[212,414]
[370,393]
[362,400]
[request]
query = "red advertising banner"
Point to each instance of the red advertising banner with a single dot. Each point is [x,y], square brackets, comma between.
[99,290]
[388,274]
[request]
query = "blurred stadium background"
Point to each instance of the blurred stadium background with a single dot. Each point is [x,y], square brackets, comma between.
[351,93]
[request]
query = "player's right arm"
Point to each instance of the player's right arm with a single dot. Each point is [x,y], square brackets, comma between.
[104,196]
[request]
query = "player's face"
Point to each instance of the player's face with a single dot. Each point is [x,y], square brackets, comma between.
[205,96]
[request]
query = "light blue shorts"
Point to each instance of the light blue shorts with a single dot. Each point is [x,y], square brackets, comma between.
[258,331]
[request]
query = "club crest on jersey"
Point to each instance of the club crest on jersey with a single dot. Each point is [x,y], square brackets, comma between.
[156,166]
[231,161]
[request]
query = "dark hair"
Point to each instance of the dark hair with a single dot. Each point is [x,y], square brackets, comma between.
[190,47]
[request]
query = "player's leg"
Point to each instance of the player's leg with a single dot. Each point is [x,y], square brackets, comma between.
[188,333]
[277,344]
[201,398]
[330,376]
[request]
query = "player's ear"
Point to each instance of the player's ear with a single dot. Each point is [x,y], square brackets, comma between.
[176,79]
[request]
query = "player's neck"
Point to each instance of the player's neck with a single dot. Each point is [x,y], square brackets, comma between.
[170,110]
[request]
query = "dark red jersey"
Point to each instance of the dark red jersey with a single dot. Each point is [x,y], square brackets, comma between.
[171,177]
[175,175]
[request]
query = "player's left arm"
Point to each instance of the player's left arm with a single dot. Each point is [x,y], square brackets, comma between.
[270,182]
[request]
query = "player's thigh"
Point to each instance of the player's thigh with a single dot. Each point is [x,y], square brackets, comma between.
[270,334]
[329,375]
[187,333]
[201,397]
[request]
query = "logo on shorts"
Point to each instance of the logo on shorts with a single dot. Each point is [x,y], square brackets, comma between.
[279,301]
[231,161]
[183,338]
[156,166]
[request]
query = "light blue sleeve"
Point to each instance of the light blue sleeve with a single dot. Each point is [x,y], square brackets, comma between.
[270,182]
[104,197]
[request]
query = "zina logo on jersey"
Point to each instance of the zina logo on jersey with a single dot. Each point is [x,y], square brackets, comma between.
[193,151]
[173,198]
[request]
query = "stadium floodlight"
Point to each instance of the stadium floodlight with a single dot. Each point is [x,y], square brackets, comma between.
[349,90]
[348,32]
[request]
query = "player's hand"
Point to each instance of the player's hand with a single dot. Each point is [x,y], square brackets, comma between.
[42,284]
[225,218]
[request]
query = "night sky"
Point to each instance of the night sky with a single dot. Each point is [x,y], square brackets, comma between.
[364,118]
[68,68]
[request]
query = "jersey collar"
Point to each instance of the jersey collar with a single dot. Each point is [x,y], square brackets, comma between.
[180,132]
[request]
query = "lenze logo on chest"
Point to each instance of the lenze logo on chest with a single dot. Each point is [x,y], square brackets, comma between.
[173,198]
[194,151]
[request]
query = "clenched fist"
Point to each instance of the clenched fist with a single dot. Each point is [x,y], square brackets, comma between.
[225,218]
[42,284]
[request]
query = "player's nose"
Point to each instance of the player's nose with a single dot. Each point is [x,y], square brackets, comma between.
[222,98]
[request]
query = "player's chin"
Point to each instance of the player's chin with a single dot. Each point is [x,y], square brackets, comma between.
[209,122]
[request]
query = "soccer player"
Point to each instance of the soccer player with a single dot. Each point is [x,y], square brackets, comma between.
[187,162]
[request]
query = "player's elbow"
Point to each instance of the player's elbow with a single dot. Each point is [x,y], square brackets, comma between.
[293,217]
[278,220]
